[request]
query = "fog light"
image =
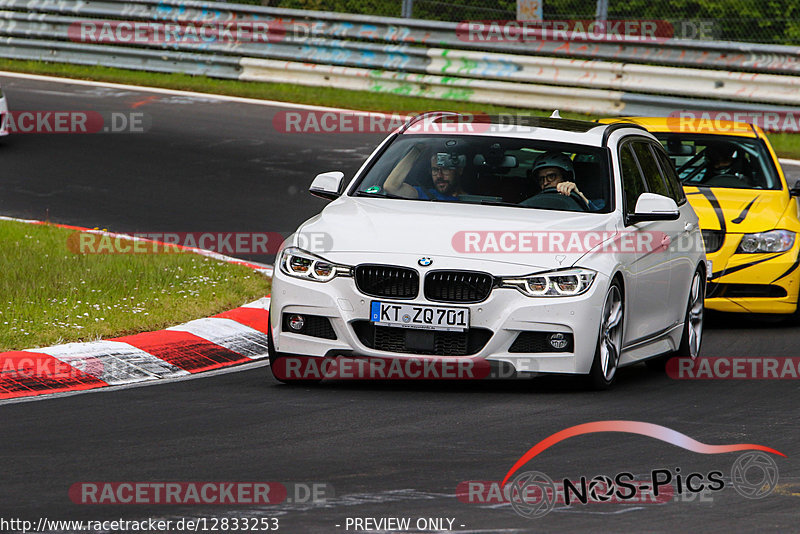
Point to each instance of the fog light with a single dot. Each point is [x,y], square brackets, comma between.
[557,340]
[296,322]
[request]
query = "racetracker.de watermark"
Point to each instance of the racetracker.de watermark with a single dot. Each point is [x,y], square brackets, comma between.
[694,121]
[78,122]
[600,489]
[336,122]
[298,368]
[734,368]
[229,243]
[567,242]
[625,31]
[175,33]
[38,367]
[373,122]
[199,493]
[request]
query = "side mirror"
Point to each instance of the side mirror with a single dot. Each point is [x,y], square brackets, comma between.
[653,207]
[326,185]
[795,190]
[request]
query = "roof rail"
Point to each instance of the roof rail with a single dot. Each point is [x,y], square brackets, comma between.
[423,116]
[614,126]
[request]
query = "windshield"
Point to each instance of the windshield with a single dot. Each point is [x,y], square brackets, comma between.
[488,170]
[720,161]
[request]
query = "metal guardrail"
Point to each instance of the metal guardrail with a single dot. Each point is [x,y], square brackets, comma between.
[749,57]
[421,58]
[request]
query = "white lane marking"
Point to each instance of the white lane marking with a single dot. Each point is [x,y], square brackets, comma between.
[113,362]
[192,94]
[229,334]
[206,374]
[787,161]
[27,221]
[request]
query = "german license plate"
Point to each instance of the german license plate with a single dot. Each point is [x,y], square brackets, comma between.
[422,317]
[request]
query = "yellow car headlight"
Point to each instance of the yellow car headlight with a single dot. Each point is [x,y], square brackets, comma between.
[772,241]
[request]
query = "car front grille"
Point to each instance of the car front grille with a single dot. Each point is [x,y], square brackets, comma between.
[427,342]
[457,286]
[387,281]
[713,240]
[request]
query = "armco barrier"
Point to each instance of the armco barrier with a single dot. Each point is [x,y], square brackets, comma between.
[430,86]
[421,58]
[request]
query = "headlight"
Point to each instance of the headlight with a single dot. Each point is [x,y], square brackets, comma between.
[772,241]
[298,263]
[566,283]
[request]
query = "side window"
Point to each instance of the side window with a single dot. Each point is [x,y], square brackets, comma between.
[632,183]
[671,177]
[650,169]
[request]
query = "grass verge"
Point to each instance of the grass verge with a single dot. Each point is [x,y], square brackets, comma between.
[50,295]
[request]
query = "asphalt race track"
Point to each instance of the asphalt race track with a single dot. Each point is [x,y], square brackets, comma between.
[383,449]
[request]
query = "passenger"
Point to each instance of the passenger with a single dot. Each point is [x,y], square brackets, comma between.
[446,172]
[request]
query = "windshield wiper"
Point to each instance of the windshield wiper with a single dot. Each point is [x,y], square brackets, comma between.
[378,195]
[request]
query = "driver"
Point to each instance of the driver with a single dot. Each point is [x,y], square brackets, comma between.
[446,171]
[555,170]
[720,161]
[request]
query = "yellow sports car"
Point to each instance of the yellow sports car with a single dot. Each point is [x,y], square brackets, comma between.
[748,214]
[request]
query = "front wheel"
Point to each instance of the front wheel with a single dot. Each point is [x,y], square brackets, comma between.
[609,341]
[693,325]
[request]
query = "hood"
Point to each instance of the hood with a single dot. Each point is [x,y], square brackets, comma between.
[737,210]
[449,230]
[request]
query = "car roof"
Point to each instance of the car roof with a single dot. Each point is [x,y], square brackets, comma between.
[691,125]
[518,126]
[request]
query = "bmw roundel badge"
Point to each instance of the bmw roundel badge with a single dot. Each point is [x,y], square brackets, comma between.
[424,262]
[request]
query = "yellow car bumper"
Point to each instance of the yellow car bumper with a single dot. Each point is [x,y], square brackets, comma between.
[753,283]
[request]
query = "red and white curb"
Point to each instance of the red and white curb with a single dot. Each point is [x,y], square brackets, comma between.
[234,337]
[230,338]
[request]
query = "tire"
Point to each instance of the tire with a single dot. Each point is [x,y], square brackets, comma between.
[609,339]
[692,336]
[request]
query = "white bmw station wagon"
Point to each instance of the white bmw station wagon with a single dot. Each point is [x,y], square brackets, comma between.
[546,246]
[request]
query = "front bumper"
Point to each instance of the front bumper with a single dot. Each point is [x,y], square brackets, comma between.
[753,283]
[504,314]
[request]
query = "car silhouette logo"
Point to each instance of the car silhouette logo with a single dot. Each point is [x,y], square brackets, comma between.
[424,262]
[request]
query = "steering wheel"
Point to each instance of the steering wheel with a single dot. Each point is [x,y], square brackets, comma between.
[564,201]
